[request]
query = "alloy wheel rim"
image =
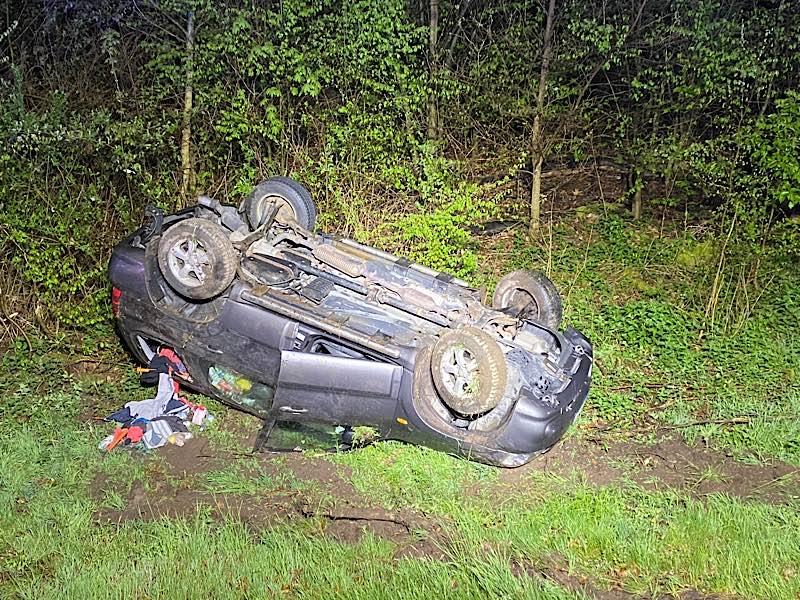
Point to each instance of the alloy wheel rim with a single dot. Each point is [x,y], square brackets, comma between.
[189,262]
[459,371]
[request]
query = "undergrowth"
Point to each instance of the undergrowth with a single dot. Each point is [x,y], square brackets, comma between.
[633,291]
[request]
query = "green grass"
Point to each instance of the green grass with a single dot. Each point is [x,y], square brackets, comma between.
[249,476]
[51,547]
[647,542]
[401,475]
[238,481]
[618,536]
[198,559]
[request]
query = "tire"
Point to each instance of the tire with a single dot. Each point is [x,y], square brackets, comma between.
[469,371]
[197,259]
[529,295]
[294,201]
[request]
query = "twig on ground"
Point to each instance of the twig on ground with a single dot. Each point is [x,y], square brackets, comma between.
[780,479]
[356,514]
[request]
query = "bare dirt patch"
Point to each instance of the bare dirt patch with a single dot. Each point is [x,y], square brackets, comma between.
[668,464]
[324,498]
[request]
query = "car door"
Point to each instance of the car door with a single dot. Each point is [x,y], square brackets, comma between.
[336,389]
[240,355]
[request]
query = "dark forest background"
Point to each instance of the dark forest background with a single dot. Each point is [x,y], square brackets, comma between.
[409,121]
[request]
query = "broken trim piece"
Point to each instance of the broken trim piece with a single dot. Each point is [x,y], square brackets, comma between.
[148,351]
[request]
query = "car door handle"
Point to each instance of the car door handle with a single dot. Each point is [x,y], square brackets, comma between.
[293,411]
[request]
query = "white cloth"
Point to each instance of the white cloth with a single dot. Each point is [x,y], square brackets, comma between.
[155,407]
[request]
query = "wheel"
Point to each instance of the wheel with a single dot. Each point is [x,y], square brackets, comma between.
[293,200]
[197,259]
[529,295]
[469,371]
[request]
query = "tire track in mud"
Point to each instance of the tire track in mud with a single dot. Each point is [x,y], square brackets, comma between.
[342,513]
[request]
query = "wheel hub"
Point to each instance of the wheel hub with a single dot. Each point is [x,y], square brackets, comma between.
[284,212]
[521,301]
[459,371]
[188,261]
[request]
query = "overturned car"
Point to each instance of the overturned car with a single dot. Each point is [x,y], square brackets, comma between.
[294,326]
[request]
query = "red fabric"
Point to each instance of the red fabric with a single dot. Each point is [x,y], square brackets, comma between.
[188,403]
[176,362]
[116,296]
[135,434]
[170,355]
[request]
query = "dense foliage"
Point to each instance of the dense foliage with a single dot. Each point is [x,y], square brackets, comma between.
[696,96]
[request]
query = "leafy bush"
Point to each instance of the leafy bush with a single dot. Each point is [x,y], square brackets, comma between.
[775,148]
[437,233]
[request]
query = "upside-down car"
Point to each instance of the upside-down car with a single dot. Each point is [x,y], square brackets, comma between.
[294,326]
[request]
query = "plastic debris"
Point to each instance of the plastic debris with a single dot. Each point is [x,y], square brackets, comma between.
[240,389]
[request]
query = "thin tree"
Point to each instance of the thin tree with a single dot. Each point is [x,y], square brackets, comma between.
[187,180]
[433,42]
[537,139]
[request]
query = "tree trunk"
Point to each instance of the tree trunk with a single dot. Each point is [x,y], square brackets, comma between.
[635,183]
[433,42]
[187,179]
[536,186]
[537,145]
[637,203]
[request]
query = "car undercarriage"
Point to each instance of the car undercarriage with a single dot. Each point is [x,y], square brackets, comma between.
[349,335]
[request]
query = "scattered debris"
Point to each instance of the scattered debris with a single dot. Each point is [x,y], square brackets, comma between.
[149,424]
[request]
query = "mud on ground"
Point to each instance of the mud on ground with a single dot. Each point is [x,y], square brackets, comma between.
[668,464]
[326,502]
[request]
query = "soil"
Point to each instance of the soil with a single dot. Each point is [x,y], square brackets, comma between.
[346,518]
[667,464]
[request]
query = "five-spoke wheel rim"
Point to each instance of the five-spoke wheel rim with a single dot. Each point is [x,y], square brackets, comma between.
[189,262]
[459,370]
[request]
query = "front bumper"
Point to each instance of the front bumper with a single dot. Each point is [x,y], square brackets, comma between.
[531,427]
[535,426]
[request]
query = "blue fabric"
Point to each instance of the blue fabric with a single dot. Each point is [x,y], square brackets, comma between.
[175,407]
[123,415]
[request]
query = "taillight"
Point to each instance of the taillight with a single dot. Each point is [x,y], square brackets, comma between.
[116,294]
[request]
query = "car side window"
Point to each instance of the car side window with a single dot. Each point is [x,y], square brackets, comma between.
[240,389]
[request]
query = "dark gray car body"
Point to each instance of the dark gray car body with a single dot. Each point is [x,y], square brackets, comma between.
[354,357]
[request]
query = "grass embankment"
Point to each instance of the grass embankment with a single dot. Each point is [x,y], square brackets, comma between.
[542,536]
